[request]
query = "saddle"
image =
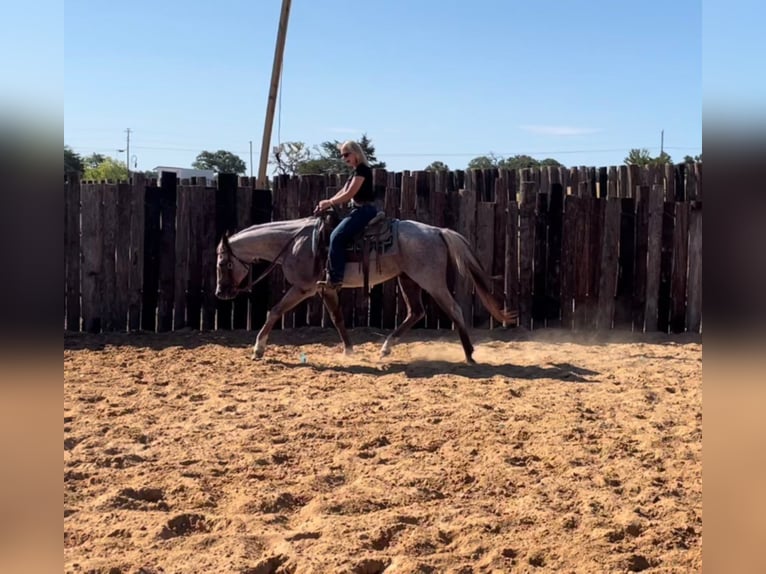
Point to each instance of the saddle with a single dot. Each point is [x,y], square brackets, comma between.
[379,237]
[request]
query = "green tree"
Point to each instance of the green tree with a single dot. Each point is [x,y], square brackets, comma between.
[693,159]
[483,162]
[328,160]
[108,168]
[642,157]
[72,161]
[93,160]
[437,166]
[220,161]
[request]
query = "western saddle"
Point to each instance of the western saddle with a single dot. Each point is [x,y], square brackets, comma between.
[379,236]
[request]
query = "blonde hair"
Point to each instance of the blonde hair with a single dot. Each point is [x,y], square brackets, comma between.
[356,149]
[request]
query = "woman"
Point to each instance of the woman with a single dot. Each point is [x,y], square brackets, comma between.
[359,189]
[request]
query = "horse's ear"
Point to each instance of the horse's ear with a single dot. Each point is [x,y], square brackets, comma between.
[225,240]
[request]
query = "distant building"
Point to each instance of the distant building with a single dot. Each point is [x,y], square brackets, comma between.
[185,172]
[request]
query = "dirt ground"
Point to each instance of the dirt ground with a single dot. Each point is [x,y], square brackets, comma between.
[557,453]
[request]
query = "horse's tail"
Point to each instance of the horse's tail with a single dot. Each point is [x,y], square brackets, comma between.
[468,266]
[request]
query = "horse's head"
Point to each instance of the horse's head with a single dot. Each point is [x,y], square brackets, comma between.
[230,270]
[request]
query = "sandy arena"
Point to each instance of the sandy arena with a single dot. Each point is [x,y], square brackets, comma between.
[557,453]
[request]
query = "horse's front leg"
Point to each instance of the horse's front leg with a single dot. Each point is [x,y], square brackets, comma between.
[292,298]
[332,303]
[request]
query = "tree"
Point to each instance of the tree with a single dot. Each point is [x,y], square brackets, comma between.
[483,162]
[642,157]
[693,159]
[108,168]
[221,161]
[519,161]
[326,158]
[72,161]
[94,160]
[437,166]
[289,156]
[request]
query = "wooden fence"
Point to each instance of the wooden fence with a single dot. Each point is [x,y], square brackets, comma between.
[578,248]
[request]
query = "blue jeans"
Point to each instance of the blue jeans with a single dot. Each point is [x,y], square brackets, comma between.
[347,229]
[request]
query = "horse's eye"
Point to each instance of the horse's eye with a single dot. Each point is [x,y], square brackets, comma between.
[229,265]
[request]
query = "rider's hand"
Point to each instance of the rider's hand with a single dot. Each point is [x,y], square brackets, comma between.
[323,205]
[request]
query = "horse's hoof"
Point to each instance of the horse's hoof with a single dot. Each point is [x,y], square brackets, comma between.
[385,352]
[257,355]
[348,351]
[470,360]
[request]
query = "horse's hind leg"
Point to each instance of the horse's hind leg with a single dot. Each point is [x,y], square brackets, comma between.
[413,297]
[332,303]
[445,300]
[292,298]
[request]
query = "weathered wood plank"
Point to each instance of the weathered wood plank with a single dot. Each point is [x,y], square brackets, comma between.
[640,265]
[680,269]
[109,238]
[581,255]
[151,259]
[569,249]
[467,227]
[485,237]
[72,255]
[623,315]
[183,226]
[528,191]
[511,272]
[694,285]
[666,267]
[137,237]
[595,232]
[208,241]
[539,303]
[609,254]
[653,256]
[195,215]
[92,258]
[553,270]
[166,295]
[122,258]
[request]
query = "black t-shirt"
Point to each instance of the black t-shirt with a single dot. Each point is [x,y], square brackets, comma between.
[366,192]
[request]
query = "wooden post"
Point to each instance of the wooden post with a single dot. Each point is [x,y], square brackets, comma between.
[539,303]
[666,266]
[485,237]
[259,296]
[244,209]
[467,227]
[642,250]
[391,204]
[623,317]
[181,317]
[276,72]
[569,258]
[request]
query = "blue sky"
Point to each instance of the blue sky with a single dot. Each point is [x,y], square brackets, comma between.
[582,82]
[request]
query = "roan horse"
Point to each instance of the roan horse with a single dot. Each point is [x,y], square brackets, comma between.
[419,261]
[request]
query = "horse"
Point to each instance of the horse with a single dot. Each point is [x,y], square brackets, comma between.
[418,261]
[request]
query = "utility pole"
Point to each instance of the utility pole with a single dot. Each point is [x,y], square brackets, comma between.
[251,159]
[127,154]
[271,104]
[662,141]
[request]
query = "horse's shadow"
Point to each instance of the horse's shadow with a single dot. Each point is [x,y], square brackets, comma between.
[426,369]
